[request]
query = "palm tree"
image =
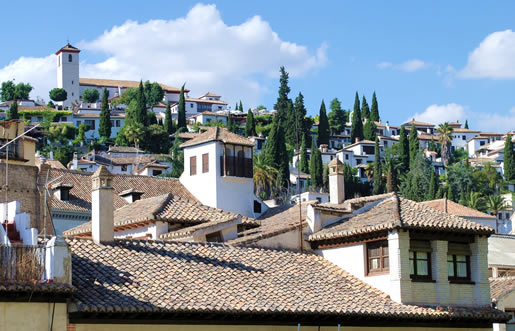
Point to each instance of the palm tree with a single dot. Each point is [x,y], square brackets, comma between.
[134,133]
[444,137]
[475,200]
[391,168]
[495,203]
[369,171]
[266,177]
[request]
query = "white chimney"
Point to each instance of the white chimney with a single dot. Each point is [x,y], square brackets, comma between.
[75,162]
[336,182]
[102,206]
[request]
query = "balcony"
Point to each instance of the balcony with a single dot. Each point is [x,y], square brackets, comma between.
[20,264]
[236,166]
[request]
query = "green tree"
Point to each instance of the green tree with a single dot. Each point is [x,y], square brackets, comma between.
[357,124]
[415,184]
[134,133]
[127,96]
[181,120]
[266,177]
[141,108]
[177,157]
[378,180]
[509,159]
[231,126]
[404,149]
[276,154]
[282,100]
[323,126]
[81,136]
[391,169]
[12,112]
[431,194]
[466,124]
[299,126]
[365,110]
[91,95]
[104,129]
[444,137]
[316,169]
[325,178]
[414,145]
[337,117]
[304,160]
[241,107]
[58,94]
[250,125]
[460,178]
[374,111]
[20,91]
[158,138]
[495,203]
[475,200]
[370,130]
[154,93]
[169,124]
[450,193]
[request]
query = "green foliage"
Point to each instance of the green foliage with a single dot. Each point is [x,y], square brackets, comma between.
[357,124]
[297,124]
[337,117]
[12,112]
[404,149]
[475,200]
[261,107]
[135,133]
[10,91]
[61,133]
[495,203]
[158,138]
[304,160]
[444,137]
[62,153]
[460,179]
[154,93]
[81,136]
[466,124]
[141,106]
[415,184]
[370,130]
[374,111]
[181,120]
[509,159]
[276,154]
[91,95]
[177,157]
[127,96]
[353,185]
[231,125]
[378,180]
[323,126]
[486,180]
[414,145]
[316,169]
[433,187]
[392,169]
[104,129]
[282,100]
[241,107]
[58,94]
[250,125]
[365,110]
[325,178]
[169,123]
[459,154]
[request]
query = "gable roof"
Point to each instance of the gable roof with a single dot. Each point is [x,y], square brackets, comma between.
[417,123]
[501,286]
[68,48]
[124,149]
[456,209]
[165,208]
[218,134]
[123,84]
[396,212]
[167,280]
[80,194]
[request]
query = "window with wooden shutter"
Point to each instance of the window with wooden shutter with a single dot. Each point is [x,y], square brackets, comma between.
[377,257]
[193,165]
[205,163]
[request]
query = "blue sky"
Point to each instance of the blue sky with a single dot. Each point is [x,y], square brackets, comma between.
[419,59]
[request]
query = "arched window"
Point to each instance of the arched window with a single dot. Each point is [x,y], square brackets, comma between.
[69,58]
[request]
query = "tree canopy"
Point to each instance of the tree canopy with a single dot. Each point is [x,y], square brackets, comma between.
[104,129]
[90,95]
[9,91]
[58,94]
[357,123]
[509,159]
[181,120]
[323,126]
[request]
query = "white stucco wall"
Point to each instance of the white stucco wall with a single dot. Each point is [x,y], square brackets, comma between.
[68,76]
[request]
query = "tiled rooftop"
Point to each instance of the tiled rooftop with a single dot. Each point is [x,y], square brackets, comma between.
[456,209]
[500,287]
[218,134]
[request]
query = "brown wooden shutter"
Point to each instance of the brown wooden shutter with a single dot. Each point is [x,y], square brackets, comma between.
[205,163]
[193,165]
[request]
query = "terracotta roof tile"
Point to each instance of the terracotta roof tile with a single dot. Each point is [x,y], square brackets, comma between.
[124,149]
[41,288]
[139,276]
[218,134]
[456,209]
[123,84]
[500,287]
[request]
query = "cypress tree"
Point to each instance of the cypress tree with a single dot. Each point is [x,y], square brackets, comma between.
[413,145]
[357,124]
[181,119]
[12,112]
[300,113]
[241,107]
[141,109]
[509,159]
[316,168]
[250,125]
[450,195]
[275,152]
[282,100]
[431,194]
[365,110]
[304,162]
[404,149]
[377,170]
[325,178]
[370,130]
[374,111]
[466,124]
[230,123]
[323,126]
[104,129]
[168,124]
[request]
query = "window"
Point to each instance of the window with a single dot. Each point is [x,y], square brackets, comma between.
[257,206]
[78,123]
[464,137]
[191,105]
[214,237]
[346,156]
[369,150]
[65,194]
[481,143]
[90,124]
[420,260]
[64,119]
[358,161]
[205,163]
[458,261]
[69,58]
[72,82]
[117,123]
[377,257]
[193,165]
[156,172]
[124,167]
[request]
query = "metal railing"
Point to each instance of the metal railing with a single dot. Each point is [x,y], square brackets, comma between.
[22,263]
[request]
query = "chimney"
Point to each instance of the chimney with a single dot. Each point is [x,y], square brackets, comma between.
[58,267]
[102,206]
[51,156]
[356,140]
[75,162]
[336,183]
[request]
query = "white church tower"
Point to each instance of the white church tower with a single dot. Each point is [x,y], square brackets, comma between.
[68,73]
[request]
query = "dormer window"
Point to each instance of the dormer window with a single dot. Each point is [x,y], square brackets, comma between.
[131,195]
[62,191]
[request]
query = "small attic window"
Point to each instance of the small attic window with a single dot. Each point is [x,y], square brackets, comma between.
[131,195]
[62,191]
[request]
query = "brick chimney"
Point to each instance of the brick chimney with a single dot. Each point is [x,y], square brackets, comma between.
[102,206]
[336,182]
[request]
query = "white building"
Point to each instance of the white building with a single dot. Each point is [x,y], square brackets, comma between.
[68,74]
[475,143]
[460,137]
[218,172]
[207,117]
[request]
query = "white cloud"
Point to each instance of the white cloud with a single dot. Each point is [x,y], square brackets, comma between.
[437,114]
[493,58]
[492,122]
[199,49]
[407,66]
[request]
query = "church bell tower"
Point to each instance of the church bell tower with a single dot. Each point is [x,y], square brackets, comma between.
[68,74]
